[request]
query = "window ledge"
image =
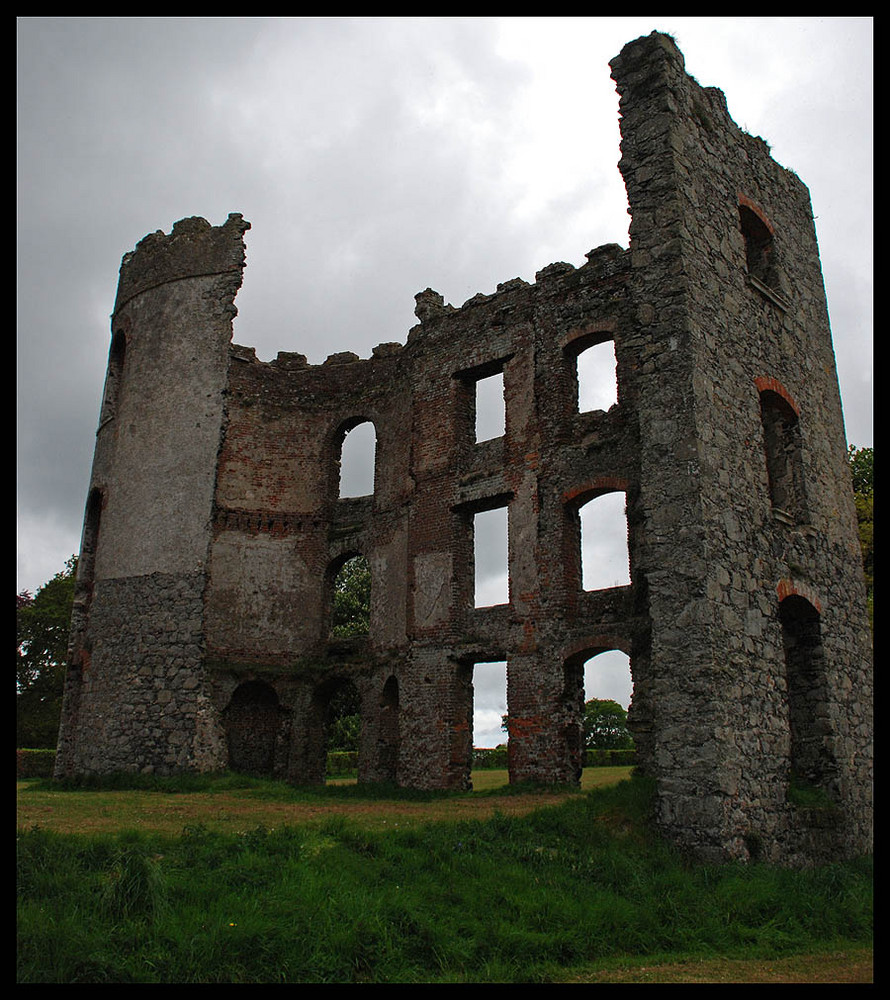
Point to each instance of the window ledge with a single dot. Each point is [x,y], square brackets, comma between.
[769,293]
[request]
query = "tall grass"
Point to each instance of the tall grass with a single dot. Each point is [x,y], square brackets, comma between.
[508,899]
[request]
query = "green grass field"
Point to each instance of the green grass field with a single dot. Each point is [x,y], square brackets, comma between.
[235,880]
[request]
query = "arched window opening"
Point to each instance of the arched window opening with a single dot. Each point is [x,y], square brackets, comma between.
[86,564]
[490,704]
[812,758]
[784,465]
[597,377]
[596,700]
[351,599]
[608,689]
[604,552]
[759,252]
[490,408]
[253,722]
[357,460]
[389,731]
[490,548]
[113,376]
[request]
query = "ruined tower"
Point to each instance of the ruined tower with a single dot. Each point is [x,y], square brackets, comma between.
[215,527]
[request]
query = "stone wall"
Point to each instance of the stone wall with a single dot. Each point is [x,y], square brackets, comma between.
[215,528]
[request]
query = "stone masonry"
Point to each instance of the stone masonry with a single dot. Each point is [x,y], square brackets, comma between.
[214,527]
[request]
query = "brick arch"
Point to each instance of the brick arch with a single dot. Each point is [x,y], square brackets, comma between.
[768,383]
[582,650]
[579,338]
[787,587]
[580,495]
[753,206]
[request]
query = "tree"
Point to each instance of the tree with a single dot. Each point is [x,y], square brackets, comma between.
[42,626]
[344,720]
[862,468]
[862,472]
[351,612]
[605,726]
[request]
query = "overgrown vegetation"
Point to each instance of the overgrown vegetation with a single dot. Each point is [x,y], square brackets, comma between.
[506,899]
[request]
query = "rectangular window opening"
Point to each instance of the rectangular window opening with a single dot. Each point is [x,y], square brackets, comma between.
[489,704]
[491,418]
[492,579]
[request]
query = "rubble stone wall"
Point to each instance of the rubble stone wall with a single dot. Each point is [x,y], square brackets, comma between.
[215,528]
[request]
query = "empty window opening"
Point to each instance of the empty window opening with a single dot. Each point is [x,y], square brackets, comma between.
[490,544]
[490,409]
[604,553]
[490,704]
[357,460]
[86,564]
[812,756]
[782,447]
[596,700]
[759,253]
[351,599]
[597,378]
[113,376]
[608,688]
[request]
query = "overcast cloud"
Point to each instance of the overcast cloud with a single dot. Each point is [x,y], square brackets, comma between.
[374,157]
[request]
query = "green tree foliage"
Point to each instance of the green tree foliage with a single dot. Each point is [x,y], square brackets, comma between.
[344,720]
[350,616]
[862,471]
[351,612]
[862,468]
[605,726]
[42,626]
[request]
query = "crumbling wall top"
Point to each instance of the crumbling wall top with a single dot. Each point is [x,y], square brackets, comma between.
[192,248]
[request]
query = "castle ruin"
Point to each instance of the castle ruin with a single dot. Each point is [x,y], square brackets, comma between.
[214,528]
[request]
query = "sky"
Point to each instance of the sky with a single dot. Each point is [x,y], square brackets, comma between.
[373,157]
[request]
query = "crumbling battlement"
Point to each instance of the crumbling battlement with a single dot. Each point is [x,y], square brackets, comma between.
[193,248]
[204,633]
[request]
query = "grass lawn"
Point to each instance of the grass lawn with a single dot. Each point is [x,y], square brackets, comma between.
[236,880]
[237,804]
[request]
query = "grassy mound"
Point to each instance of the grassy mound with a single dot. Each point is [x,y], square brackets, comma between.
[509,898]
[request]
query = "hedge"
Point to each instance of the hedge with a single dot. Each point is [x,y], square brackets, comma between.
[40,763]
[34,763]
[497,758]
[342,762]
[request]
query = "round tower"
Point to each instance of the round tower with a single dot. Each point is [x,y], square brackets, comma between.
[134,696]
